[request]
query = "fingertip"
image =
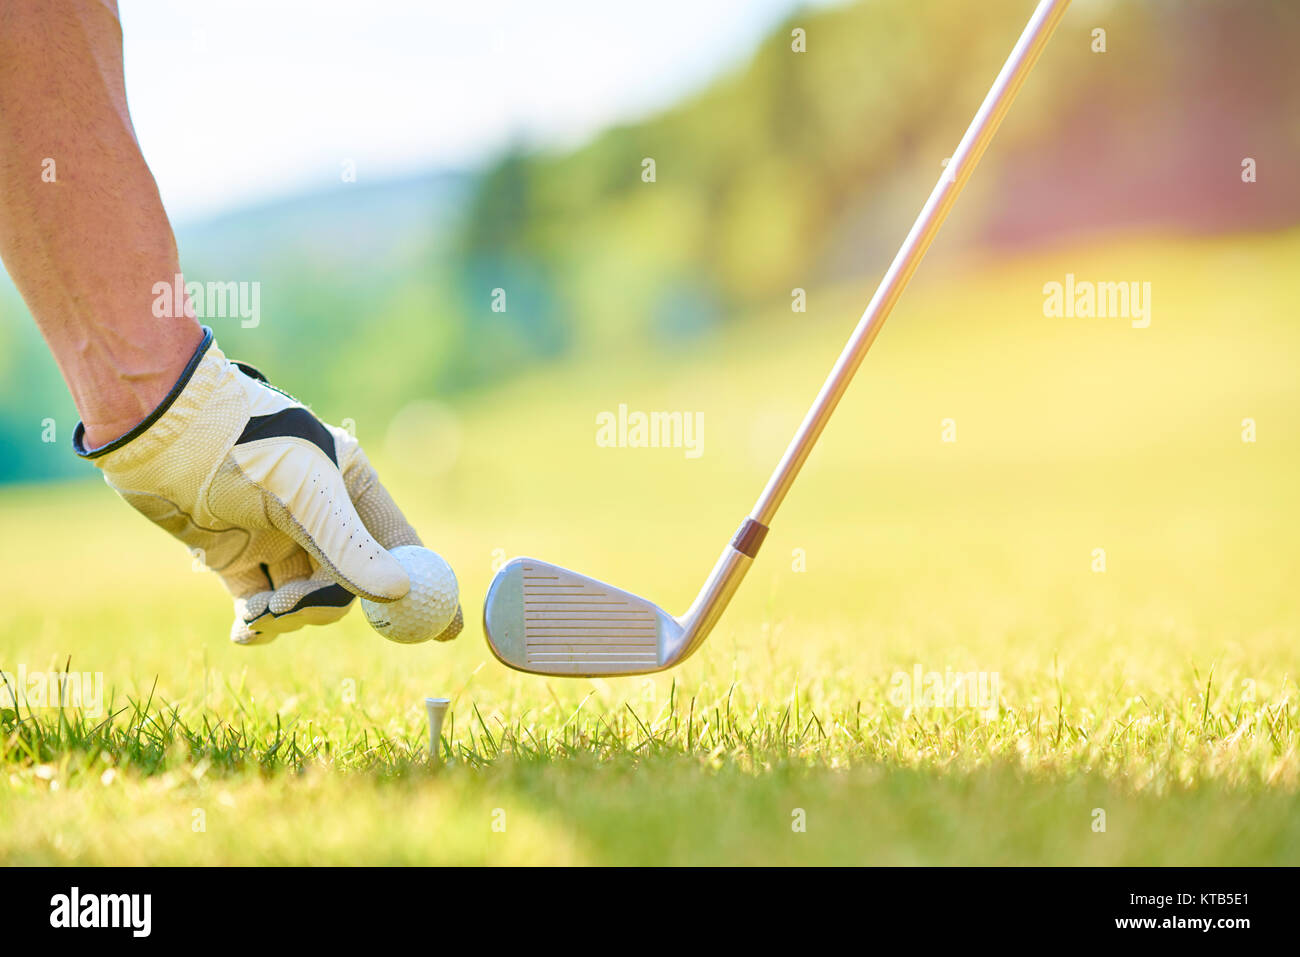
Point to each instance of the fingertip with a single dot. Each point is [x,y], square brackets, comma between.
[246,633]
[385,579]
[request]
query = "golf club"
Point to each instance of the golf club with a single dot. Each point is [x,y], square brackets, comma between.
[545,619]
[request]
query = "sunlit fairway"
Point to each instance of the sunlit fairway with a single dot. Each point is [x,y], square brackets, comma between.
[1160,691]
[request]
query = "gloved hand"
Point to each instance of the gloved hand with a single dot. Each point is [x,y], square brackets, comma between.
[287,510]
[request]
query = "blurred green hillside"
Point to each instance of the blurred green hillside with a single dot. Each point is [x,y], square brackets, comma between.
[799,170]
[806,167]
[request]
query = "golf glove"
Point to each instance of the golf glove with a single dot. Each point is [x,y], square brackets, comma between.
[287,510]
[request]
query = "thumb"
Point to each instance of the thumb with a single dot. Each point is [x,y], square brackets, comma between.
[306,498]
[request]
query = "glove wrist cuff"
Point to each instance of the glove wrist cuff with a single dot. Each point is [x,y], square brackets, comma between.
[79,434]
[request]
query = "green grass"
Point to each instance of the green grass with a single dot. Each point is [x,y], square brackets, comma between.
[1162,691]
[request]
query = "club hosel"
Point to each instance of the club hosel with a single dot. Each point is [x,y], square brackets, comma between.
[727,574]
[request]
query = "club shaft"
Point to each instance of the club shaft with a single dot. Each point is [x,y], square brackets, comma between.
[954,177]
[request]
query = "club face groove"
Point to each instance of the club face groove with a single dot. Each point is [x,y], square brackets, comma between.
[545,619]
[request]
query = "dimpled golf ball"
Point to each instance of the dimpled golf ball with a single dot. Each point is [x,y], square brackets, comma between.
[427,609]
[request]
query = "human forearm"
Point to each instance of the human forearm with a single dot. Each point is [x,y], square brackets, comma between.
[82,228]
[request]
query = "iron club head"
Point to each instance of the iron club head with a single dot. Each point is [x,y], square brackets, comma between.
[546,619]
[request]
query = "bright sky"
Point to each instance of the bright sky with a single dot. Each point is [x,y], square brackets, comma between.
[237,101]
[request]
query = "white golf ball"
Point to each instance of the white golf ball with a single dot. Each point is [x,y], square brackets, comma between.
[427,609]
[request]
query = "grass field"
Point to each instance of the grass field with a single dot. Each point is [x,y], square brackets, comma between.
[1160,691]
